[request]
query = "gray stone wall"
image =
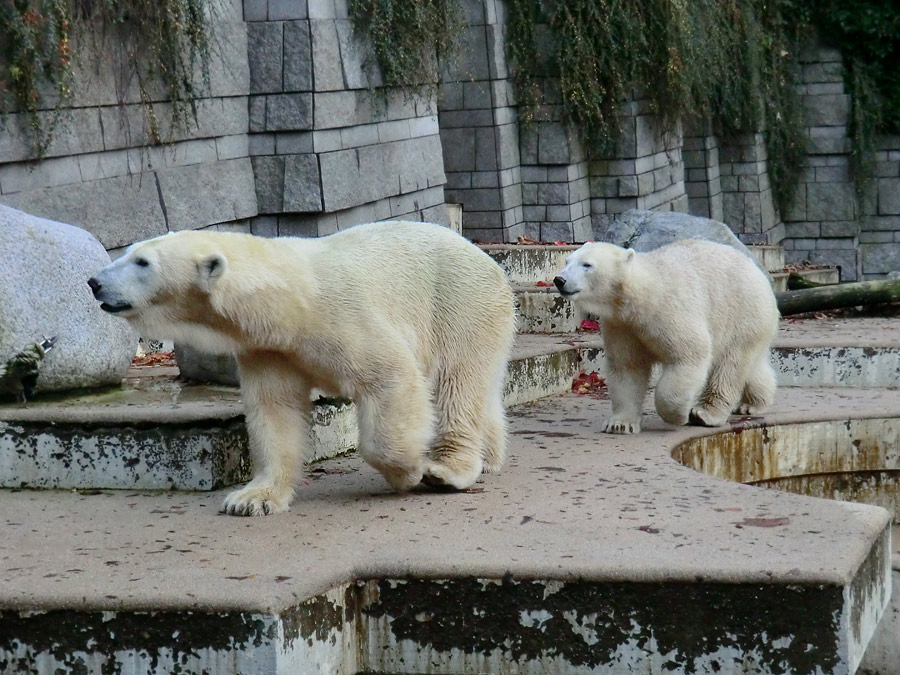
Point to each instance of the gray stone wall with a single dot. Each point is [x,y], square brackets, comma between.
[99,172]
[879,236]
[822,223]
[646,172]
[329,149]
[479,129]
[747,200]
[702,174]
[296,135]
[537,180]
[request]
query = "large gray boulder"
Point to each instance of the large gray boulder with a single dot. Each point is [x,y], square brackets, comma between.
[646,230]
[44,268]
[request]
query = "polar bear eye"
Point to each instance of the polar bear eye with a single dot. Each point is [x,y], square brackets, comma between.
[141,262]
[587,266]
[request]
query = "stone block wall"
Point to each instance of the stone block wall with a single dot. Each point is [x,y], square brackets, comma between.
[822,224]
[748,204]
[879,236]
[99,172]
[556,193]
[479,129]
[647,171]
[329,149]
[296,135]
[702,175]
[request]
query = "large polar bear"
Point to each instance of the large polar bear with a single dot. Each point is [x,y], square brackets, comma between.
[703,311]
[410,320]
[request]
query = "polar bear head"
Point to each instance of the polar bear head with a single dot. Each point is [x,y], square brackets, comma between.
[171,287]
[593,275]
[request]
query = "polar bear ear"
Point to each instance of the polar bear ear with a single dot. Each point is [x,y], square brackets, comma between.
[210,268]
[629,254]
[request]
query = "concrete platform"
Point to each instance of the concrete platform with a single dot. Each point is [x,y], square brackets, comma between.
[589,553]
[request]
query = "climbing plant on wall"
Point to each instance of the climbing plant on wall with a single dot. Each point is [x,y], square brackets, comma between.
[728,62]
[867,33]
[163,41]
[411,38]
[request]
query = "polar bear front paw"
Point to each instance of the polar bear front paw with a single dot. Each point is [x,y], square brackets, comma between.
[257,500]
[614,426]
[748,409]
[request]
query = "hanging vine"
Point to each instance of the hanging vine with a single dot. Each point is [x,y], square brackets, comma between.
[165,41]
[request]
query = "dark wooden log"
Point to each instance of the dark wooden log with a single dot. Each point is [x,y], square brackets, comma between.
[836,296]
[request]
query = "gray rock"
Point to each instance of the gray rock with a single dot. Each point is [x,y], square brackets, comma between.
[203,367]
[44,268]
[647,230]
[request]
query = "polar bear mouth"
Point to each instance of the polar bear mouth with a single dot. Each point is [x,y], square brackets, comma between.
[568,294]
[114,309]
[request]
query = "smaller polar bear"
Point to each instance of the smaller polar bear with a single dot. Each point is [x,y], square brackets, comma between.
[703,311]
[410,320]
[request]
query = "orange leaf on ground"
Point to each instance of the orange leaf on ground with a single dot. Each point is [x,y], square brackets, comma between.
[587,324]
[590,384]
[154,359]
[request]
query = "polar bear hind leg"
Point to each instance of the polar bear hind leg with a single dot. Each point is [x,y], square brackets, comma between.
[495,434]
[679,388]
[461,394]
[396,427]
[759,391]
[494,430]
[723,390]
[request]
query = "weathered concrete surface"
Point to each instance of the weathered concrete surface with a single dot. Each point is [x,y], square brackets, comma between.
[588,551]
[833,352]
[544,310]
[527,264]
[158,432]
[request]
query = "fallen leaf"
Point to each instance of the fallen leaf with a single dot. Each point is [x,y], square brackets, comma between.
[590,384]
[154,359]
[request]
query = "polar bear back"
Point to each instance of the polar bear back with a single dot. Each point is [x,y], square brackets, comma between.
[702,285]
[426,282]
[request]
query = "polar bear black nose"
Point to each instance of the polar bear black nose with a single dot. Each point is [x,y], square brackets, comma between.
[95,285]
[560,282]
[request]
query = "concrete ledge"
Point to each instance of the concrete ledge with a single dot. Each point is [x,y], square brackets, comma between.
[157,432]
[586,551]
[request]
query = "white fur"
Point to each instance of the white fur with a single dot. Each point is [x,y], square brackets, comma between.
[411,320]
[701,310]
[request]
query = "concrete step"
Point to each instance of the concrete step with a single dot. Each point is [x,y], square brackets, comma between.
[817,275]
[540,309]
[159,432]
[768,257]
[526,264]
[588,552]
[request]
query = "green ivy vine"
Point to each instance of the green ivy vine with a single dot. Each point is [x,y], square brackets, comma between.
[725,62]
[411,38]
[163,41]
